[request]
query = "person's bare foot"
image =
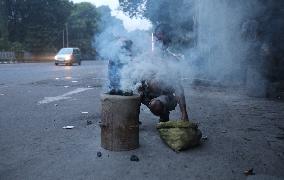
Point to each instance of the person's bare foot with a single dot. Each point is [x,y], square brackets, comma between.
[163,120]
[165,117]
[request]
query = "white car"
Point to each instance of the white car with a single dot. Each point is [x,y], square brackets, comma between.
[68,56]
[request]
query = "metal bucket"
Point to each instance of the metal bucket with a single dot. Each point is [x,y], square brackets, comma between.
[120,122]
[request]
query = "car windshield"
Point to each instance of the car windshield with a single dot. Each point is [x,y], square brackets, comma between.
[65,51]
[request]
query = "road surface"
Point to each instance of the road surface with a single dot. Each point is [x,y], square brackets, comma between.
[38,99]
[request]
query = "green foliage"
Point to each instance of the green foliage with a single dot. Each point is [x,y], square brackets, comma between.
[3,26]
[82,25]
[170,13]
[37,25]
[4,44]
[131,7]
[16,46]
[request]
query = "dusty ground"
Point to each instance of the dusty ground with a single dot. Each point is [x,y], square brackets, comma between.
[242,132]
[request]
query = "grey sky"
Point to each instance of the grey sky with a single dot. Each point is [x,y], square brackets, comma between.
[129,24]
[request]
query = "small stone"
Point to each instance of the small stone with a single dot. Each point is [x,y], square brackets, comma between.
[249,172]
[134,158]
[204,138]
[55,105]
[89,122]
[99,154]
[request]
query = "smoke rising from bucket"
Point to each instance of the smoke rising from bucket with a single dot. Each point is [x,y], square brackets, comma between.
[221,41]
[140,63]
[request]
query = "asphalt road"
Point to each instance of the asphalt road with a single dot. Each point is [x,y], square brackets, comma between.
[37,100]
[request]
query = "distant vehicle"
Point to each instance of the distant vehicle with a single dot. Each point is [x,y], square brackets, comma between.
[68,56]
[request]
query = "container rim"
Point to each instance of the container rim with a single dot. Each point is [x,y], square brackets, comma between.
[106,95]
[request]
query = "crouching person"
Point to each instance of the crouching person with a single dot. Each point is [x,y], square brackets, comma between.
[161,99]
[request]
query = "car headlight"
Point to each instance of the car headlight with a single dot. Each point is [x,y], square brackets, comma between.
[55,57]
[68,57]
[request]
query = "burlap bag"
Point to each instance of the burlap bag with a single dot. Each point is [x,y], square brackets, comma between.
[179,135]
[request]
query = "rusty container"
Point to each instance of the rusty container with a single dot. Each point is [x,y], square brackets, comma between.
[120,122]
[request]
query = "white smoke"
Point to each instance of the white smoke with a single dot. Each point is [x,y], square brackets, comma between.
[151,66]
[224,44]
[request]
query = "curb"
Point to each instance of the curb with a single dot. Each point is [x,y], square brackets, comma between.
[8,62]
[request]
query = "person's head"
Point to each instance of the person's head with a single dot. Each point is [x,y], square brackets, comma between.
[157,107]
[125,43]
[162,33]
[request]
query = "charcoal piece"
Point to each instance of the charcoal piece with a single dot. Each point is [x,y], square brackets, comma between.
[120,92]
[134,158]
[113,92]
[249,172]
[89,122]
[99,154]
[127,93]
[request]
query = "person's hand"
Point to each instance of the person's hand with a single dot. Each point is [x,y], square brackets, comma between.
[141,95]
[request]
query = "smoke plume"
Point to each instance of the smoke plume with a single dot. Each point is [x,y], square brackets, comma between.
[228,42]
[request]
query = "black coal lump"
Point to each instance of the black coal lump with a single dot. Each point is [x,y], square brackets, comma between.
[134,158]
[99,154]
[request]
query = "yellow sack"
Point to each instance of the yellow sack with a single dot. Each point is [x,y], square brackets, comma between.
[179,135]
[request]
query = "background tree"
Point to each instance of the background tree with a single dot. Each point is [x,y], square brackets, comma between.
[35,24]
[82,26]
[167,16]
[3,26]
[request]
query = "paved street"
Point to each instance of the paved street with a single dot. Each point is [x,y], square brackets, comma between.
[38,99]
